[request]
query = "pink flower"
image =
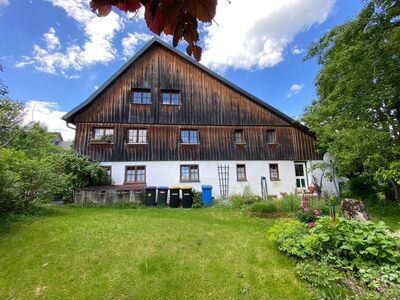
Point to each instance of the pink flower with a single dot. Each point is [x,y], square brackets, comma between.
[310,224]
[316,212]
[306,209]
[302,203]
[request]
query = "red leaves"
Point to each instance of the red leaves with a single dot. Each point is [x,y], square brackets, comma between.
[197,52]
[178,18]
[204,10]
[129,5]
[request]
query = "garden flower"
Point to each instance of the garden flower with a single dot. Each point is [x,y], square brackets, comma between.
[306,209]
[316,212]
[310,224]
[302,203]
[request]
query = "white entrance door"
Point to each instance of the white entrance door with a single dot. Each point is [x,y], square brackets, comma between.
[301,176]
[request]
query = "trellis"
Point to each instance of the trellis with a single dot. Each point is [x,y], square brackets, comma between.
[223,176]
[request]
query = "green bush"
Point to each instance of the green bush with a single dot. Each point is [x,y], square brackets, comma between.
[327,281]
[293,238]
[263,207]
[289,203]
[352,243]
[382,278]
[364,248]
[197,201]
[237,201]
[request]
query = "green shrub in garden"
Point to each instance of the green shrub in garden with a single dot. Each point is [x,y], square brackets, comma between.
[197,202]
[293,238]
[352,243]
[382,278]
[237,200]
[364,250]
[263,207]
[327,281]
[289,203]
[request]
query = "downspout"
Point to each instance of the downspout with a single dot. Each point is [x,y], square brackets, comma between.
[74,140]
[68,125]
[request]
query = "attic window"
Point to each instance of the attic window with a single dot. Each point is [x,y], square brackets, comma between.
[271,138]
[141,96]
[170,97]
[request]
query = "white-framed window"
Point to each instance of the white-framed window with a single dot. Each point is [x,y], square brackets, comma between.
[103,135]
[189,136]
[137,136]
[238,136]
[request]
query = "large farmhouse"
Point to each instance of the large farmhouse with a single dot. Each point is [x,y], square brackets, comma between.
[164,119]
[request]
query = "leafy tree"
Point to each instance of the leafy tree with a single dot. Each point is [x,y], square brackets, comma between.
[35,140]
[24,180]
[11,117]
[3,87]
[356,117]
[76,171]
[173,17]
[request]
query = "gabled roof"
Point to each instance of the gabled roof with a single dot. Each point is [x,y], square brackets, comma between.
[156,40]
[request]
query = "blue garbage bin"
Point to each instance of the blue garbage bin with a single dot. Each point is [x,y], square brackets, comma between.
[206,191]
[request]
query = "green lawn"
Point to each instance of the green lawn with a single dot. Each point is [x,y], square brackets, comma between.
[99,253]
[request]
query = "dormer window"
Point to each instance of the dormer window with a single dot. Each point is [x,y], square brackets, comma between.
[141,96]
[170,97]
[238,136]
[102,135]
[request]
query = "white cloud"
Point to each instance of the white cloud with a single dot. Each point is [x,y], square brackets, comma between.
[297,51]
[52,41]
[48,113]
[96,48]
[4,2]
[255,34]
[295,89]
[130,42]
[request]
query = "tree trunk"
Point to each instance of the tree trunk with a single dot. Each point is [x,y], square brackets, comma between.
[396,189]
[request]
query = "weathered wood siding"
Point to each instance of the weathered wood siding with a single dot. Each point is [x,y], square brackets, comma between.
[204,99]
[206,103]
[214,144]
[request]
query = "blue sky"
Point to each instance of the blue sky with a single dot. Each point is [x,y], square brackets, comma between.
[56,52]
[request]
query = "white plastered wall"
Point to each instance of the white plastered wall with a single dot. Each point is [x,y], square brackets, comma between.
[167,173]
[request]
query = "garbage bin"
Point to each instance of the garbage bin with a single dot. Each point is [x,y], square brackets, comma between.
[162,195]
[150,196]
[174,196]
[206,192]
[187,196]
